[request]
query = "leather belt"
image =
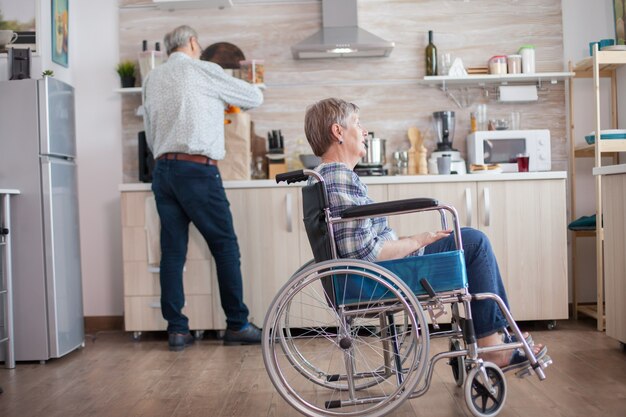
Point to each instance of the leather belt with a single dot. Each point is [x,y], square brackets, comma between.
[199,159]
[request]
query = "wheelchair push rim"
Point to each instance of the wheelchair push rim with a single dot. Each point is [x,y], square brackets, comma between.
[333,361]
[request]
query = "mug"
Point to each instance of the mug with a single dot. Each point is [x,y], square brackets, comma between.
[7,37]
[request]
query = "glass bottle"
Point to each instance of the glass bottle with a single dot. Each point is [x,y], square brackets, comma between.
[431,55]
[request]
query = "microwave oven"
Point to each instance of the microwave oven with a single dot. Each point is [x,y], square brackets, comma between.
[503,146]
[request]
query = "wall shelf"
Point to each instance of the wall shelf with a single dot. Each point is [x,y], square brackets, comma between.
[481,80]
[461,85]
[128,90]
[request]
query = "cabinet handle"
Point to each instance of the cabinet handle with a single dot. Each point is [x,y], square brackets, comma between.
[289,213]
[487,207]
[468,206]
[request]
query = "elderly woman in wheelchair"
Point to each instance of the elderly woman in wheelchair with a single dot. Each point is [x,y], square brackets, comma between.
[347,334]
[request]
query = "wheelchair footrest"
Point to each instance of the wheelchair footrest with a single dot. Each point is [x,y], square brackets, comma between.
[544,362]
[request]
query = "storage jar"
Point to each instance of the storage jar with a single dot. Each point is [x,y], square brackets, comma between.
[497,64]
[528,58]
[253,71]
[514,64]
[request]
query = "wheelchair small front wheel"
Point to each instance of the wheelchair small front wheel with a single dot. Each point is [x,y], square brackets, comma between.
[485,390]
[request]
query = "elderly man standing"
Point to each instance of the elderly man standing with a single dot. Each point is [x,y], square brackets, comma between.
[184,101]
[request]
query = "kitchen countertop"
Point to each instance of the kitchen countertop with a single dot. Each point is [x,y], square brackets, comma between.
[610,169]
[388,179]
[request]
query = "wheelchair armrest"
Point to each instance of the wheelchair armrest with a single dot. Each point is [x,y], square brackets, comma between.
[292,176]
[389,207]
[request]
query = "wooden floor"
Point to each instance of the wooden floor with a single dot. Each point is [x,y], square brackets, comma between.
[114,376]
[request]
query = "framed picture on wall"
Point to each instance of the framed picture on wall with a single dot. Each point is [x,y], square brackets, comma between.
[620,28]
[60,31]
[20,17]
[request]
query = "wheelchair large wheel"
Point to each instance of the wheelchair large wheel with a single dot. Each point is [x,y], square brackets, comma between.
[362,357]
[485,398]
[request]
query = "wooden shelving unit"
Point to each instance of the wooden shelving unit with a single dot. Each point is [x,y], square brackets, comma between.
[603,64]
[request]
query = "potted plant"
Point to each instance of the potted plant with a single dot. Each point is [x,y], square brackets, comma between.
[126,71]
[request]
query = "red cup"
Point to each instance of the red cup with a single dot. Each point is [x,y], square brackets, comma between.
[522,164]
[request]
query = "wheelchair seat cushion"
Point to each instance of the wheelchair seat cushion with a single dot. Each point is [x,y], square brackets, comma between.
[444,271]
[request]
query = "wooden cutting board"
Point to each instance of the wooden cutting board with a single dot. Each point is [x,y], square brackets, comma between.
[224,54]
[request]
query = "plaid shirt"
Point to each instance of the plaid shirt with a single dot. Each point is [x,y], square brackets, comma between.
[360,239]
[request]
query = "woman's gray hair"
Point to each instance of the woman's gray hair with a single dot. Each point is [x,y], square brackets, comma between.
[319,119]
[178,38]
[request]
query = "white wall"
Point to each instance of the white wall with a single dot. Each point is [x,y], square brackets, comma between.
[93,56]
[586,21]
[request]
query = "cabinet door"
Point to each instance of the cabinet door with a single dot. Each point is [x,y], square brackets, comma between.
[460,195]
[266,223]
[613,203]
[525,221]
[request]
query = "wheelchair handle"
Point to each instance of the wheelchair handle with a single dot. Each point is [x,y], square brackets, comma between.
[292,176]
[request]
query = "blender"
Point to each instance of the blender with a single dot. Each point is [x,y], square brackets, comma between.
[443,123]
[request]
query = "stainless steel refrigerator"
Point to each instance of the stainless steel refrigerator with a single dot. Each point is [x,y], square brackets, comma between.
[37,156]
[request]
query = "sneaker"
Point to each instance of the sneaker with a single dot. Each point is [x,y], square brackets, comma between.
[178,341]
[248,335]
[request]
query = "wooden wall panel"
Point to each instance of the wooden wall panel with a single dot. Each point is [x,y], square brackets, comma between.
[387,89]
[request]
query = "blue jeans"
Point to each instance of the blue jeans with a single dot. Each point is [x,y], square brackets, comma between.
[191,192]
[483,275]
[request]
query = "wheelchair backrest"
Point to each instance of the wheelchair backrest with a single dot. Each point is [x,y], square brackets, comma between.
[314,201]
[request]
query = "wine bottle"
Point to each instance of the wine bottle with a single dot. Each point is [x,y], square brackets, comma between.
[431,55]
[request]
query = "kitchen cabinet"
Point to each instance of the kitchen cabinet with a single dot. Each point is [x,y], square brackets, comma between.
[601,64]
[274,244]
[525,222]
[142,306]
[614,215]
[268,226]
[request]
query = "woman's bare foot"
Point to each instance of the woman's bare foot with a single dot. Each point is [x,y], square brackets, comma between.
[502,358]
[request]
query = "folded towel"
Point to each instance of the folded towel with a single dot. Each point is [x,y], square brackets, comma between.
[153,231]
[583,223]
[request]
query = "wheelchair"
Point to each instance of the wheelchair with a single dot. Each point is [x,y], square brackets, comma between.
[346,337]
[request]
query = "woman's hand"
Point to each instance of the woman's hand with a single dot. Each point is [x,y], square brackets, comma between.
[426,238]
[394,249]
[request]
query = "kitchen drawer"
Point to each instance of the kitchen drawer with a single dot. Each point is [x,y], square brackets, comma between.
[143,279]
[144,313]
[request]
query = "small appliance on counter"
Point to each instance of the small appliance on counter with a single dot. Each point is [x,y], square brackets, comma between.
[374,160]
[503,146]
[146,159]
[443,122]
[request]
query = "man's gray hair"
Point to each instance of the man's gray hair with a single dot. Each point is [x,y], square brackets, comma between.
[178,38]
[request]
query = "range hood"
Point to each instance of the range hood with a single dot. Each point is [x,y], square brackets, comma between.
[341,36]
